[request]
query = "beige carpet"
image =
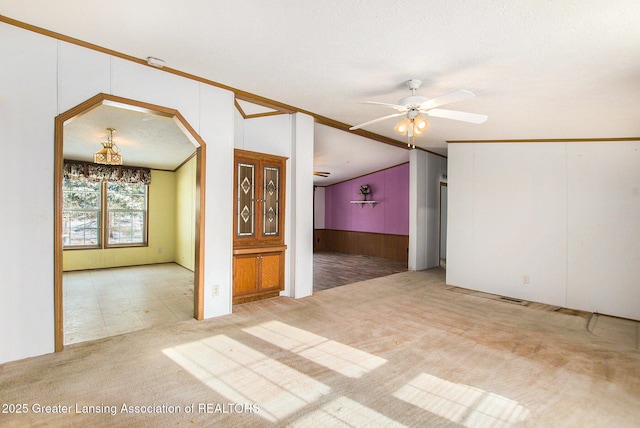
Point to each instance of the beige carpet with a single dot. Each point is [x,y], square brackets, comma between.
[403,350]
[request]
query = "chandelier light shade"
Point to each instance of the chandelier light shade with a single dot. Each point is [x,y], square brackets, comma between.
[109,154]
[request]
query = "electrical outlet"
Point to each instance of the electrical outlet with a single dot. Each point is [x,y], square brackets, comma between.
[216,290]
[159,250]
[525,279]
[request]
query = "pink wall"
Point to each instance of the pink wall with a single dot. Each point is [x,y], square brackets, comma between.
[391,215]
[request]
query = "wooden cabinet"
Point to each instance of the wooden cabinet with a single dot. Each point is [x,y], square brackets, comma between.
[258,219]
[258,226]
[257,275]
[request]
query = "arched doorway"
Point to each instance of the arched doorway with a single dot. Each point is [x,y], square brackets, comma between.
[198,143]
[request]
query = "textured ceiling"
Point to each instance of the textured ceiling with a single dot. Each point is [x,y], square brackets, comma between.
[144,139]
[539,69]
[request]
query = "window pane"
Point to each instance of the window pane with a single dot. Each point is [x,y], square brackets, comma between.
[137,202]
[81,213]
[83,228]
[126,196]
[127,207]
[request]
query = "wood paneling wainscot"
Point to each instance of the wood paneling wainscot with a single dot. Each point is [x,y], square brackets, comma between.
[393,247]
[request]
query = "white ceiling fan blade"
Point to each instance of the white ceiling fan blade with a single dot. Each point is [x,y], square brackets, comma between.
[380,119]
[446,99]
[457,115]
[395,106]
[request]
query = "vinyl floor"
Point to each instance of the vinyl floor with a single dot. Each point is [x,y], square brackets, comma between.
[331,269]
[107,302]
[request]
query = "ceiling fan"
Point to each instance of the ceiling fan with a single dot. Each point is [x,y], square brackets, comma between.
[412,106]
[321,174]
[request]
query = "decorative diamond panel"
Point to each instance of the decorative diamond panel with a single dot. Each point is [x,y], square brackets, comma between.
[245,214]
[271,187]
[245,186]
[271,215]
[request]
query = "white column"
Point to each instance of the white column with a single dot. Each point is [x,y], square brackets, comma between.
[301,218]
[417,209]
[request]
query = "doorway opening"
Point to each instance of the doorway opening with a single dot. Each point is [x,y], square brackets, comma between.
[443,225]
[198,148]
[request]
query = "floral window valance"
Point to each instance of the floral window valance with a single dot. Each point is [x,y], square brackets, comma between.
[96,172]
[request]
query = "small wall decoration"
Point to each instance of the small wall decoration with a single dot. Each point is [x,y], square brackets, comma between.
[365,190]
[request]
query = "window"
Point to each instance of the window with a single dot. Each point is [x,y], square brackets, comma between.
[81,213]
[89,205]
[127,213]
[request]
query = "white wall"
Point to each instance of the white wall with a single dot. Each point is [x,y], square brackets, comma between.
[268,134]
[556,223]
[301,254]
[238,129]
[604,228]
[27,110]
[41,78]
[319,207]
[425,173]
[417,210]
[216,129]
[291,136]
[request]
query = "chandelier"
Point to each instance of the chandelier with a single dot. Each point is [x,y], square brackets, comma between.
[109,154]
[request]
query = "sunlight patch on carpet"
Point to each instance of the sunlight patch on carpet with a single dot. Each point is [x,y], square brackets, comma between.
[463,404]
[245,376]
[344,359]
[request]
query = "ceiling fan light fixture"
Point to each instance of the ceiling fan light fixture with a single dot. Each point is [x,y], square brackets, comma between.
[108,155]
[403,126]
[420,123]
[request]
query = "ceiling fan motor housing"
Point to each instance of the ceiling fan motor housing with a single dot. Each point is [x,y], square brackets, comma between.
[413,113]
[413,101]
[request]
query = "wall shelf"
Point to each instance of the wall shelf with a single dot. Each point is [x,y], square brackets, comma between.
[361,203]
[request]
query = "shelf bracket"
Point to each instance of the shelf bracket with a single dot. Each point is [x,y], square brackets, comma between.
[361,203]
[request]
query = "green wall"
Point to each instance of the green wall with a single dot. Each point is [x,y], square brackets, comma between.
[162,233]
[185,222]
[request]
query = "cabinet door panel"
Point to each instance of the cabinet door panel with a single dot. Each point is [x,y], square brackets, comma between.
[271,201]
[245,199]
[259,199]
[271,271]
[245,275]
